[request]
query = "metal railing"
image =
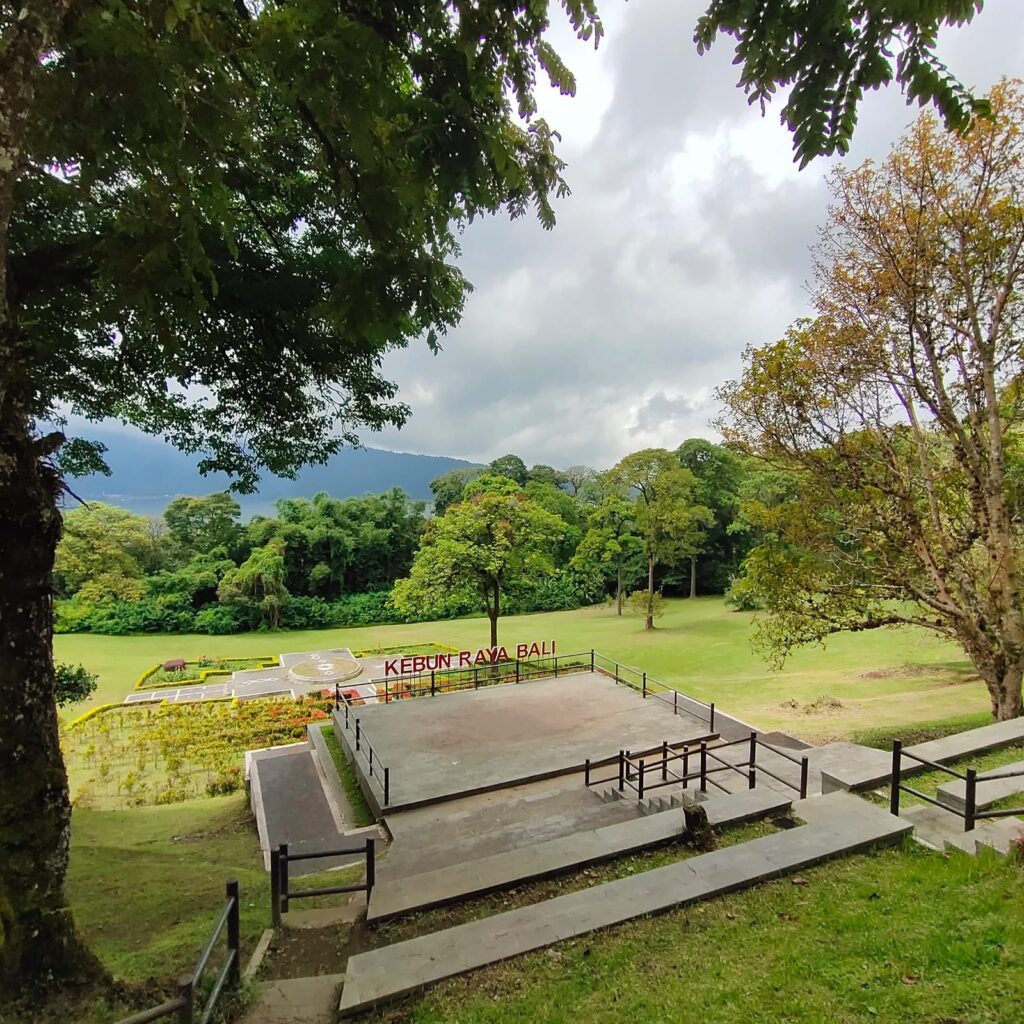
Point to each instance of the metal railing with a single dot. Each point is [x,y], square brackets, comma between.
[639,680]
[377,771]
[633,770]
[970,778]
[281,892]
[184,1007]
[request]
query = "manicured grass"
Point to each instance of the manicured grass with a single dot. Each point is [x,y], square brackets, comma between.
[901,936]
[879,680]
[921,732]
[147,884]
[361,812]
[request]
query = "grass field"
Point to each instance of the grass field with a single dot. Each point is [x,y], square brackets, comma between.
[865,681]
[901,936]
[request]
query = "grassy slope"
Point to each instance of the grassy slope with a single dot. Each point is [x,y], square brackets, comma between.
[700,646]
[898,936]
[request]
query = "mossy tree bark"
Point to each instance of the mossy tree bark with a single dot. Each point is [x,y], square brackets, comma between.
[39,945]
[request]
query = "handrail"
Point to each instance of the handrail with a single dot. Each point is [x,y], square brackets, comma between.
[970,814]
[183,1005]
[383,771]
[281,893]
[632,766]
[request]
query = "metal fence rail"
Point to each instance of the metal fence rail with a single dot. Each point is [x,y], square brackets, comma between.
[185,1006]
[377,771]
[632,770]
[971,777]
[281,893]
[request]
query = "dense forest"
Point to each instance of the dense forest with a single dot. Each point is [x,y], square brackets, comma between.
[659,522]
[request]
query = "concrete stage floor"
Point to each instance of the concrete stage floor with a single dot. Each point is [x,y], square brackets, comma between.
[462,742]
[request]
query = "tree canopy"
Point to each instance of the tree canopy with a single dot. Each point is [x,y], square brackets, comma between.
[898,409]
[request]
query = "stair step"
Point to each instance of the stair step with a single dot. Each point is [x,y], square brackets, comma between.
[998,835]
[392,971]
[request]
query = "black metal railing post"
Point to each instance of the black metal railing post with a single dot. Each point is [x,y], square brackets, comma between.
[751,763]
[675,702]
[591,659]
[284,878]
[712,725]
[387,785]
[433,684]
[357,734]
[894,780]
[804,767]
[640,789]
[644,690]
[187,994]
[622,770]
[703,767]
[517,670]
[586,773]
[686,766]
[664,760]
[371,866]
[616,671]
[275,888]
[337,696]
[234,933]
[556,666]
[970,799]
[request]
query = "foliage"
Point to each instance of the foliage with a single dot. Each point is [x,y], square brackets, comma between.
[361,813]
[898,409]
[156,754]
[670,521]
[491,543]
[828,57]
[611,548]
[447,489]
[642,604]
[204,523]
[75,683]
[259,582]
[511,466]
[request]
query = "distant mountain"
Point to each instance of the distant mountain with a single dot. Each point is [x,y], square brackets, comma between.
[147,473]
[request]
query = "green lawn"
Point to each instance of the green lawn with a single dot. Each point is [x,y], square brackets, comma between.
[900,936]
[869,680]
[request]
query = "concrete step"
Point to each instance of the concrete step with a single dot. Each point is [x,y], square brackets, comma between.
[999,834]
[987,792]
[392,971]
[505,870]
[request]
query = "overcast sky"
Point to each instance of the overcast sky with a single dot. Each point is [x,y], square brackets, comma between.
[685,239]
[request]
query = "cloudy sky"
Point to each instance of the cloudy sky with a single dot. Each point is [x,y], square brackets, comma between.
[685,239]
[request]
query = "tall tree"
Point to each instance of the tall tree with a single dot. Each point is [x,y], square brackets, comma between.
[670,521]
[719,474]
[447,489]
[201,524]
[612,544]
[511,466]
[483,547]
[899,408]
[577,476]
[215,219]
[260,580]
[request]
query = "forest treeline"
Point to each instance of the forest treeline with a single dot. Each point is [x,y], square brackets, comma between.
[325,561]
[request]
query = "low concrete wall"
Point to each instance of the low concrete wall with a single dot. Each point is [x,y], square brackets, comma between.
[346,738]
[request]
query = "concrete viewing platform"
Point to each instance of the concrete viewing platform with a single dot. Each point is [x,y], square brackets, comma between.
[470,741]
[842,824]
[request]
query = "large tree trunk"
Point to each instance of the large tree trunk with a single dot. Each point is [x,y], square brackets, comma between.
[39,947]
[493,611]
[649,621]
[1006,694]
[693,575]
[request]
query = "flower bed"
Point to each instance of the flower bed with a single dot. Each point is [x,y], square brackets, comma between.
[133,755]
[197,672]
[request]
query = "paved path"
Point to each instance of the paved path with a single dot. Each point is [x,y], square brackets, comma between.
[502,870]
[296,1001]
[292,807]
[404,967]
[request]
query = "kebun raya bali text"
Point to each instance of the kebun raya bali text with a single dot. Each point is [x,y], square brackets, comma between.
[465,659]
